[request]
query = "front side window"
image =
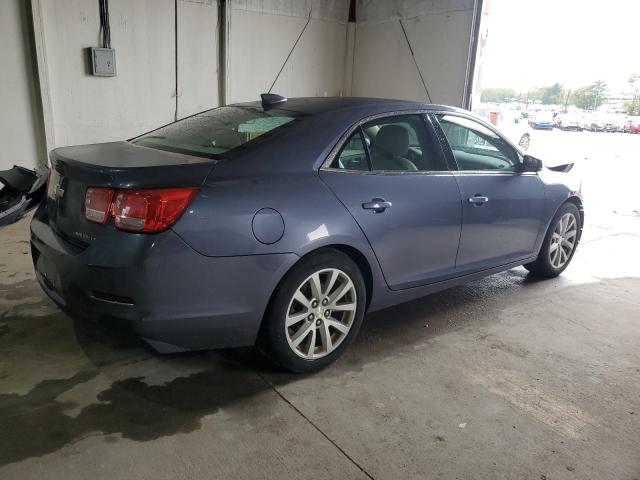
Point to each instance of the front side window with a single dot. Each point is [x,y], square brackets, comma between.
[216,131]
[476,147]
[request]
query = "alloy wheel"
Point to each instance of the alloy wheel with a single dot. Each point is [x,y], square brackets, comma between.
[321,313]
[563,240]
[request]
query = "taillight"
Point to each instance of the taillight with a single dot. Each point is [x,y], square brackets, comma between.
[145,211]
[97,204]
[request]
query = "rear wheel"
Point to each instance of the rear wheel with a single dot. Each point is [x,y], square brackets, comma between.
[559,243]
[316,311]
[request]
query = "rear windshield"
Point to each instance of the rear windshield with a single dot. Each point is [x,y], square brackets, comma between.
[215,132]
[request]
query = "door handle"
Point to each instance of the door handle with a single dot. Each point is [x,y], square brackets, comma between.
[478,200]
[378,205]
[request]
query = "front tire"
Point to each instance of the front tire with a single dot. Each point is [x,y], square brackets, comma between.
[315,312]
[559,243]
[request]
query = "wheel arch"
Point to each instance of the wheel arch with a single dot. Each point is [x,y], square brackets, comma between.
[574,199]
[362,263]
[577,201]
[352,252]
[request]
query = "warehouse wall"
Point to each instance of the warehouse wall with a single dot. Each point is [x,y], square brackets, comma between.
[261,34]
[197,56]
[58,100]
[439,32]
[90,109]
[21,135]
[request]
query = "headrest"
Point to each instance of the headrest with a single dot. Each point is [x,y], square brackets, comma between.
[392,140]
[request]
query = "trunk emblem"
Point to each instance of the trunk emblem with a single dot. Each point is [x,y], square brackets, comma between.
[84,236]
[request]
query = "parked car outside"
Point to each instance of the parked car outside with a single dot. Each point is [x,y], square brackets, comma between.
[570,121]
[542,120]
[281,223]
[609,122]
[517,131]
[632,125]
[596,124]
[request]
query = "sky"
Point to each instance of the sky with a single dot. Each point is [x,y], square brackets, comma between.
[574,42]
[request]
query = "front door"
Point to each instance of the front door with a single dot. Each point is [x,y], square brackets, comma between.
[393,178]
[502,208]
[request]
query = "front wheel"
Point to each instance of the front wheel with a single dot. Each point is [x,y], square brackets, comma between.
[316,311]
[559,243]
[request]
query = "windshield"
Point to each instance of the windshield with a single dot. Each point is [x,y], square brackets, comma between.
[216,131]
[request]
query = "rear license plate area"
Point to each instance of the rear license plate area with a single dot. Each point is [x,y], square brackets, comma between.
[49,273]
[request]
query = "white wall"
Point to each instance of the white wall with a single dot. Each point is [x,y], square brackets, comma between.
[439,32]
[260,36]
[21,134]
[197,56]
[332,58]
[88,109]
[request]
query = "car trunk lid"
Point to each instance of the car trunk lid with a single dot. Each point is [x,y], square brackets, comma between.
[118,165]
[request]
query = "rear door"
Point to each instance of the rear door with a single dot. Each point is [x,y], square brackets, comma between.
[393,178]
[502,208]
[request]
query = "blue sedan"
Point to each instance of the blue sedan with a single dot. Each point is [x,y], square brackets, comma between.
[280,223]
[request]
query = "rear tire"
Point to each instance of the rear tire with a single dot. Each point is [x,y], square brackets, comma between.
[559,244]
[315,313]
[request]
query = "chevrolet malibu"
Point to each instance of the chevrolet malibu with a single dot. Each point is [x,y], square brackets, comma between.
[280,223]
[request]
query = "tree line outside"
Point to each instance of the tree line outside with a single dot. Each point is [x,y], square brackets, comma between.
[589,97]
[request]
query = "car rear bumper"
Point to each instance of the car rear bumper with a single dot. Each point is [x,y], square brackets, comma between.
[173,297]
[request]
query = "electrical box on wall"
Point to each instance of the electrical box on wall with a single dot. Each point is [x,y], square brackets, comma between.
[103,62]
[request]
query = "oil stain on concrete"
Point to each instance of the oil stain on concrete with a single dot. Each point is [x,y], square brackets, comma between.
[37,422]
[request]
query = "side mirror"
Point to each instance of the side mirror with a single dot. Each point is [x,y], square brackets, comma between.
[531,164]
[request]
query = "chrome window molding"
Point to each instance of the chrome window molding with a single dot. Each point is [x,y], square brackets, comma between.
[326,165]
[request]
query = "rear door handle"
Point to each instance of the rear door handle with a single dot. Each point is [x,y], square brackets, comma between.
[378,205]
[478,200]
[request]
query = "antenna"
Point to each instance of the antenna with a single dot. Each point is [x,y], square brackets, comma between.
[292,49]
[271,99]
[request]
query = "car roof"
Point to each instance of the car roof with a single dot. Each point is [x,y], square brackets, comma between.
[322,105]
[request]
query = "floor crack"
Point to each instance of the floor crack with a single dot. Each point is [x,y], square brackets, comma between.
[340,449]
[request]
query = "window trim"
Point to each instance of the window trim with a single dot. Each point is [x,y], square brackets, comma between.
[430,131]
[446,147]
[365,148]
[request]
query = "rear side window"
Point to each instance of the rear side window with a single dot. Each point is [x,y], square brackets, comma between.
[216,131]
[353,155]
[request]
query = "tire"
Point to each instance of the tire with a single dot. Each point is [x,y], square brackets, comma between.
[290,326]
[555,257]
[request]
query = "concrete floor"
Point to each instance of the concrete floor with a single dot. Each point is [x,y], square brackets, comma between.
[507,377]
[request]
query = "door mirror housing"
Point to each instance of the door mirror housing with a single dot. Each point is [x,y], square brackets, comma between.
[531,164]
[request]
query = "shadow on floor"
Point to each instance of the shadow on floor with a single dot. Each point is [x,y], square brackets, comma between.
[38,422]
